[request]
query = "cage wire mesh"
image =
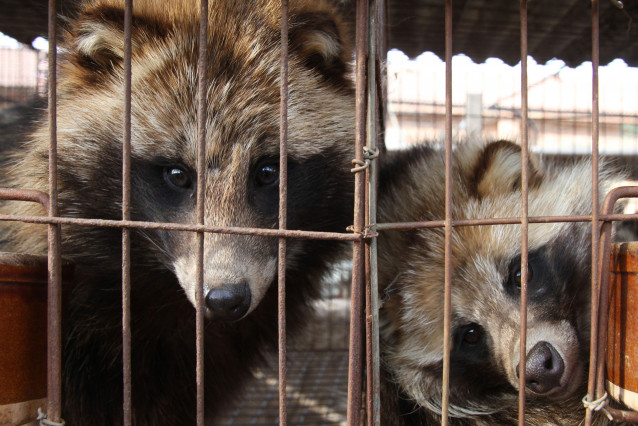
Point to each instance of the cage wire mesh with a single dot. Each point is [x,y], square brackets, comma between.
[485,104]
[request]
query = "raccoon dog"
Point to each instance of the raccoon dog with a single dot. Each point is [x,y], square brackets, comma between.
[242,148]
[486,275]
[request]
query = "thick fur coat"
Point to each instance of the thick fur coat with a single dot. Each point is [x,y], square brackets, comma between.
[486,274]
[242,148]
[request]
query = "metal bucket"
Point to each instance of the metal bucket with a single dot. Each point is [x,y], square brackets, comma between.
[622,329]
[23,336]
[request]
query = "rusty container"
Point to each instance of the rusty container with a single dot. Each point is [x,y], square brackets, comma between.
[622,329]
[23,336]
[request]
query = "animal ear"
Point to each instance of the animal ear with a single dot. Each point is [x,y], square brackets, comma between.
[96,38]
[498,170]
[322,39]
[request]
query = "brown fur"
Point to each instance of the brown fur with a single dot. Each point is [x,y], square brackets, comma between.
[485,298]
[242,143]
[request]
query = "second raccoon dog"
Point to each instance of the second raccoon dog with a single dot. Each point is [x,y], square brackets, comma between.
[241,179]
[486,274]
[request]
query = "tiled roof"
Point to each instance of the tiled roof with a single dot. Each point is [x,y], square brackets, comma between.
[491,28]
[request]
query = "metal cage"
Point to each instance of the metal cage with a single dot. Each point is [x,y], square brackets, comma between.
[363,361]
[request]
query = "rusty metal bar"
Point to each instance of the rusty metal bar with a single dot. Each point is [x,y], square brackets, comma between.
[201,198]
[371,276]
[358,247]
[169,226]
[126,215]
[54,293]
[501,221]
[276,233]
[629,417]
[595,283]
[26,195]
[524,216]
[447,298]
[283,211]
[600,306]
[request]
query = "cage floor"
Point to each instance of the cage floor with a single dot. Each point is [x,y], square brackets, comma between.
[317,392]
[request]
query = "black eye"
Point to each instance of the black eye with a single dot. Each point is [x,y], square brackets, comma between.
[517,275]
[177,177]
[473,334]
[267,174]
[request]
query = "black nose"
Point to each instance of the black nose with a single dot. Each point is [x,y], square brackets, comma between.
[230,302]
[544,368]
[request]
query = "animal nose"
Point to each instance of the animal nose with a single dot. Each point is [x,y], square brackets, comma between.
[229,302]
[544,368]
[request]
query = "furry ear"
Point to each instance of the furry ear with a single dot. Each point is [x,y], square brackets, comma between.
[322,40]
[96,38]
[498,169]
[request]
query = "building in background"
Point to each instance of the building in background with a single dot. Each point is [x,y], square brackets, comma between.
[486,102]
[22,74]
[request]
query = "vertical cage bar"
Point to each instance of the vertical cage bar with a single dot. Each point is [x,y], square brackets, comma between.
[596,349]
[283,211]
[54,294]
[358,247]
[372,297]
[201,198]
[126,215]
[447,298]
[524,215]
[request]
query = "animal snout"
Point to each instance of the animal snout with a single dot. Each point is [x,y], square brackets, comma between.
[544,369]
[230,302]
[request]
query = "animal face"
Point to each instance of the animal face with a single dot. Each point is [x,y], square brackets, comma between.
[485,326]
[240,180]
[486,281]
[242,135]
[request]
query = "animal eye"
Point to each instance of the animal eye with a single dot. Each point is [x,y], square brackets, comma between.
[473,334]
[177,177]
[267,175]
[517,275]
